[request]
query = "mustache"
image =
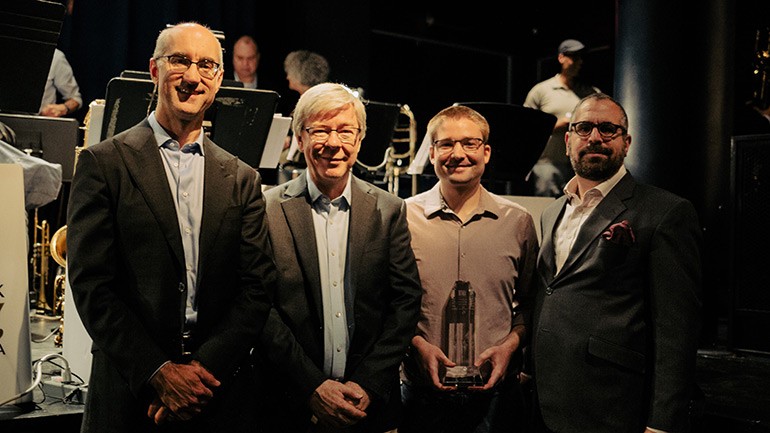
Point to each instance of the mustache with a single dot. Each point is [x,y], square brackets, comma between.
[596,149]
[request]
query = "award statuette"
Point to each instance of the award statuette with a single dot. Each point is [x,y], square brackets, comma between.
[460,337]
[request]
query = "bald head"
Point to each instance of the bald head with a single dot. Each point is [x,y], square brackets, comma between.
[202,33]
[246,59]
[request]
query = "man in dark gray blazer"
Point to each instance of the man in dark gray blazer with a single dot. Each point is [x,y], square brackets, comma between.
[617,316]
[168,258]
[349,294]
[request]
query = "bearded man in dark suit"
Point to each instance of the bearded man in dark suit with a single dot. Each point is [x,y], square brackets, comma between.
[617,314]
[168,258]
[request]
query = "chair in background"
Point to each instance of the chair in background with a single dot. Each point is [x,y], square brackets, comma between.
[389,145]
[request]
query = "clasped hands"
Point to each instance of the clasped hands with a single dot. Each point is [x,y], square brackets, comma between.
[183,391]
[337,404]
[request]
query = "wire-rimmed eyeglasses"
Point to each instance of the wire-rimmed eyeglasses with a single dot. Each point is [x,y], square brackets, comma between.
[179,63]
[321,134]
[468,144]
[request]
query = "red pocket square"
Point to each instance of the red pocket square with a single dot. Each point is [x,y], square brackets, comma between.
[620,233]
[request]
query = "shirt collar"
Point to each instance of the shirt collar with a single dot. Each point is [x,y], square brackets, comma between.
[603,188]
[315,193]
[434,203]
[163,138]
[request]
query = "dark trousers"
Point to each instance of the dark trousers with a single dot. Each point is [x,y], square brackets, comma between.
[499,410]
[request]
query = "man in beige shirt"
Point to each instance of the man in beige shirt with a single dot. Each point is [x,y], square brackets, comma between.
[466,237]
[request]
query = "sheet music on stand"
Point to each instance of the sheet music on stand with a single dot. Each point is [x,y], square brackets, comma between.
[276,137]
[420,158]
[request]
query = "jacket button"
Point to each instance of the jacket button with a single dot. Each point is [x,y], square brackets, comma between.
[548,290]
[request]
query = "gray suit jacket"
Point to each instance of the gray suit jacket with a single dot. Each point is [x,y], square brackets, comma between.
[616,331]
[127,271]
[384,296]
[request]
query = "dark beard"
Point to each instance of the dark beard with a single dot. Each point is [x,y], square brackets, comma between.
[597,171]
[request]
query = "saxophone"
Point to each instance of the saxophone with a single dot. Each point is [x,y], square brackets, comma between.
[58,244]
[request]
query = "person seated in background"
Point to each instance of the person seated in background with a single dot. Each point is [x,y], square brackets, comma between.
[304,69]
[60,86]
[246,61]
[558,95]
[42,179]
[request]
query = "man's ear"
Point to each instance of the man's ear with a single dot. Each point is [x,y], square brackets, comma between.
[154,71]
[432,153]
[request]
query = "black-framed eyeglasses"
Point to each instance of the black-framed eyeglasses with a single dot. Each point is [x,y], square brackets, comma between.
[468,144]
[179,63]
[320,134]
[607,130]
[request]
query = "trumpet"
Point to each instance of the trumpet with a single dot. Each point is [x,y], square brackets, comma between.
[40,259]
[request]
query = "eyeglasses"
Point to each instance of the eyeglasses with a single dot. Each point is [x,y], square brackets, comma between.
[320,135]
[607,130]
[179,63]
[447,145]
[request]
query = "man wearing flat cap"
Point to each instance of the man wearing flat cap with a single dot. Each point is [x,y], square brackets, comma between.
[558,95]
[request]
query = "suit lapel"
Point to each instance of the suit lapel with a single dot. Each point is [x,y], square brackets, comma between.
[608,210]
[143,161]
[220,172]
[297,210]
[547,257]
[361,222]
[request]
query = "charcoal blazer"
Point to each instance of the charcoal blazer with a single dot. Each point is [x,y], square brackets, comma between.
[616,330]
[127,271]
[383,297]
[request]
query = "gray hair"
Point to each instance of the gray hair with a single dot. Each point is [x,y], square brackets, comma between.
[327,98]
[307,67]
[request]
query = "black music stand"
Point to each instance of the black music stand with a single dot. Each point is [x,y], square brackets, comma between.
[51,138]
[517,136]
[29,32]
[240,118]
[381,122]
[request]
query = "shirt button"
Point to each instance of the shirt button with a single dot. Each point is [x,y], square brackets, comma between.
[338,314]
[334,283]
[339,349]
[548,290]
[176,164]
[185,194]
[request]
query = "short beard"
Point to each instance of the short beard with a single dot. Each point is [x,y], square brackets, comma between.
[597,171]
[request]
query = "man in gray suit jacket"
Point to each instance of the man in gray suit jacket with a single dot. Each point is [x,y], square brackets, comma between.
[617,315]
[168,258]
[349,294]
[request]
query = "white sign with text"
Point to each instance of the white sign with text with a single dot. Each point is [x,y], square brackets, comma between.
[15,351]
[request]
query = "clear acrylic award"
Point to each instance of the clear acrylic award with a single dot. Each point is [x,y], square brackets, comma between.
[460,337]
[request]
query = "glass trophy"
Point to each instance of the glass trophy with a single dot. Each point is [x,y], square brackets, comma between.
[460,337]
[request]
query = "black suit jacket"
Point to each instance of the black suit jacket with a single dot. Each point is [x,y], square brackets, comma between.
[616,330]
[384,285]
[126,267]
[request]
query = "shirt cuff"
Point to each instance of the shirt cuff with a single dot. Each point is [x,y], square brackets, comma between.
[156,371]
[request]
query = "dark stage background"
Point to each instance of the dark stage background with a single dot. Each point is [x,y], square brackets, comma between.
[428,55]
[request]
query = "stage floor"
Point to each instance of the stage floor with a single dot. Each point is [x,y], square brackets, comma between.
[736,392]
